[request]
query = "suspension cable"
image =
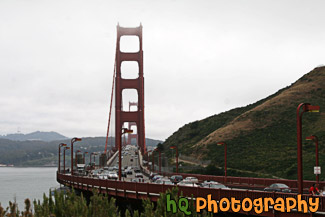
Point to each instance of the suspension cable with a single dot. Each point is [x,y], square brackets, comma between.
[110,108]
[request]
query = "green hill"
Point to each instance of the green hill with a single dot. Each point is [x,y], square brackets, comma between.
[261,137]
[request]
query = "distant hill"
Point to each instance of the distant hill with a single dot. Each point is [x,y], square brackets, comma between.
[261,137]
[42,153]
[42,136]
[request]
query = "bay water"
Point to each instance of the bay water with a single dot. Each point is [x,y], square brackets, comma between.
[19,183]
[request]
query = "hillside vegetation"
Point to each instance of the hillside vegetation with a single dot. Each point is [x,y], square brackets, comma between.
[261,137]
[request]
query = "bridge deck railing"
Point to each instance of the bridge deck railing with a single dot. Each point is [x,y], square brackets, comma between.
[248,181]
[153,191]
[244,181]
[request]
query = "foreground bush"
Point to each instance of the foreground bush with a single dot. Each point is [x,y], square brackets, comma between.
[71,205]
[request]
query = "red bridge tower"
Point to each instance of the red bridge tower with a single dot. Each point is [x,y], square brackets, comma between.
[136,117]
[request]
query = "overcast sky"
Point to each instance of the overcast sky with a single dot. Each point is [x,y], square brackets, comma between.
[200,58]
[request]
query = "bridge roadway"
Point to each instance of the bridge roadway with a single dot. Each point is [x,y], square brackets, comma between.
[129,160]
[138,191]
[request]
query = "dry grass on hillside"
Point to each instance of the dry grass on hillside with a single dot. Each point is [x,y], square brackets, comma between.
[245,122]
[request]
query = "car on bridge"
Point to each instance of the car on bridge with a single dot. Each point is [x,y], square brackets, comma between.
[212,184]
[137,180]
[138,175]
[152,175]
[176,179]
[278,187]
[192,179]
[164,181]
[102,176]
[123,174]
[187,183]
[112,175]
[156,177]
[95,173]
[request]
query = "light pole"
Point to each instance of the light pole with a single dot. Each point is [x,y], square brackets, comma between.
[86,152]
[175,147]
[76,158]
[315,139]
[225,145]
[73,140]
[93,154]
[153,161]
[59,163]
[65,148]
[90,159]
[148,159]
[124,130]
[159,161]
[159,158]
[306,107]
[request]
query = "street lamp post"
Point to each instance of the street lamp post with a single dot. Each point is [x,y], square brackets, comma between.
[124,130]
[175,147]
[153,160]
[306,107]
[148,159]
[160,162]
[85,156]
[65,148]
[73,140]
[93,154]
[315,139]
[225,145]
[59,163]
[76,158]
[90,159]
[158,158]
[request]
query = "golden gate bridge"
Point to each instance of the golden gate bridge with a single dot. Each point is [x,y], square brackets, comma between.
[126,191]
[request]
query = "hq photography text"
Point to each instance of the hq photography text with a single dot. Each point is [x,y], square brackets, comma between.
[258,205]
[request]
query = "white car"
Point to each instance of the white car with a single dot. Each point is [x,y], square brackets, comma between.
[212,184]
[102,176]
[138,175]
[192,179]
[187,183]
[164,181]
[112,175]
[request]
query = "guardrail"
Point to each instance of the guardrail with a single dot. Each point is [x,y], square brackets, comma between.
[247,181]
[243,181]
[152,191]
